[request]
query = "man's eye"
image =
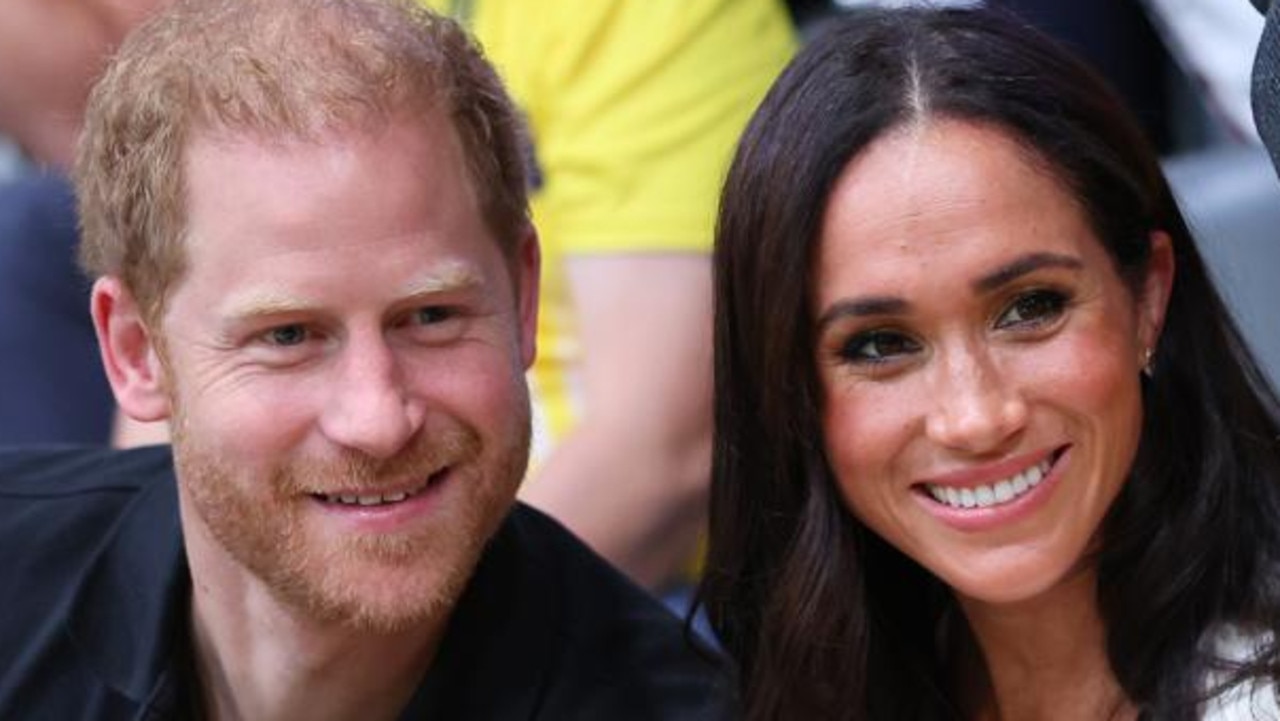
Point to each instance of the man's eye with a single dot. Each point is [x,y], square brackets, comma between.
[1032,309]
[878,346]
[287,335]
[432,314]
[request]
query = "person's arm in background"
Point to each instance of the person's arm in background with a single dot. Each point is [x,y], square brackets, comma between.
[631,477]
[50,53]
[632,142]
[49,50]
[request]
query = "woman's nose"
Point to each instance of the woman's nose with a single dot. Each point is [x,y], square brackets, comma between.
[976,407]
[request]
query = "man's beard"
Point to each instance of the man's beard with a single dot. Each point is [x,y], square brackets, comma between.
[374,582]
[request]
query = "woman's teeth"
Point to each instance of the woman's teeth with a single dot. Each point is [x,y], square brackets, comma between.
[993,495]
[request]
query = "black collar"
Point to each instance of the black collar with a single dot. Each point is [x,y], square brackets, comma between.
[130,610]
[497,656]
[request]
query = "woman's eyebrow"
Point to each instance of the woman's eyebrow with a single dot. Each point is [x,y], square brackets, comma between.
[1031,262]
[892,305]
[865,306]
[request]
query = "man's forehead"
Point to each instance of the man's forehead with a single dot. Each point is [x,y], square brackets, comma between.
[353,198]
[227,120]
[211,140]
[423,149]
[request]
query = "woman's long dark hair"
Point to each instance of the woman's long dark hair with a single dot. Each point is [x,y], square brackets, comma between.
[826,621]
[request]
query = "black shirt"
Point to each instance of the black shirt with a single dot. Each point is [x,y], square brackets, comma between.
[94,591]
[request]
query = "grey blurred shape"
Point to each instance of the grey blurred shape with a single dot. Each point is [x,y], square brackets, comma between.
[1265,85]
[1231,198]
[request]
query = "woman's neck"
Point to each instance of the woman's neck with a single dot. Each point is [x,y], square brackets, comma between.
[1045,658]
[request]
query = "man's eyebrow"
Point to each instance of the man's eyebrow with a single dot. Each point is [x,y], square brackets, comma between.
[262,304]
[448,278]
[860,307]
[1026,264]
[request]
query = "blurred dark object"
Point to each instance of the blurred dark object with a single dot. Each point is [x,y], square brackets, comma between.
[1266,84]
[1116,38]
[52,388]
[807,12]
[1231,198]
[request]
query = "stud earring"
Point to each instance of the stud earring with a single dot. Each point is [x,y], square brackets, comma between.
[1148,366]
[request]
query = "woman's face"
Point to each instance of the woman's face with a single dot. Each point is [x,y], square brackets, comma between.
[979,357]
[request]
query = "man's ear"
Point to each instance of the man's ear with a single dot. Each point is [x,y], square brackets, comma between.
[129,353]
[528,271]
[1156,289]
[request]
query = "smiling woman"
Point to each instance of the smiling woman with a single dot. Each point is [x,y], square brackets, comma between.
[988,445]
[998,347]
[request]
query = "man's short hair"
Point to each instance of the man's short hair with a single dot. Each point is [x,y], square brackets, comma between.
[274,68]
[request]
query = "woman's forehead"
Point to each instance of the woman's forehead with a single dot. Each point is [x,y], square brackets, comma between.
[929,196]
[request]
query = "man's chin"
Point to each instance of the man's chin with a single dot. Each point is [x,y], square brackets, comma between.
[380,576]
[388,608]
[379,584]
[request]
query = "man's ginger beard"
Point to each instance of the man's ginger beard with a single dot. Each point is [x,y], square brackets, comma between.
[260,523]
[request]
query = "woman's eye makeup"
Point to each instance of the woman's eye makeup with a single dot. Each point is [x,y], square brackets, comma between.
[877,346]
[1033,309]
[1027,311]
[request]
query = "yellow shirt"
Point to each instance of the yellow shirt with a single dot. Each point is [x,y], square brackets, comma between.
[634,107]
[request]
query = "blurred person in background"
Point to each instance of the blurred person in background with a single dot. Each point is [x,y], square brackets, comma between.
[51,382]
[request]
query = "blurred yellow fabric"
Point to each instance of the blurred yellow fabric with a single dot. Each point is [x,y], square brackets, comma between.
[634,107]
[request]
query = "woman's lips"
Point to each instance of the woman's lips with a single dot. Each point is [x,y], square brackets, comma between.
[981,499]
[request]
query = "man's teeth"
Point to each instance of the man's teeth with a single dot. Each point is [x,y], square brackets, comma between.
[993,495]
[370,500]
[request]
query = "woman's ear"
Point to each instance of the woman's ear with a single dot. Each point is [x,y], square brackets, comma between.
[130,356]
[1156,289]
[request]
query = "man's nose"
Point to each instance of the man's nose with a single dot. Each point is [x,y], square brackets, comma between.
[976,408]
[371,408]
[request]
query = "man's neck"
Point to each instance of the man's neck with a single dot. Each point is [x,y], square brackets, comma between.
[256,659]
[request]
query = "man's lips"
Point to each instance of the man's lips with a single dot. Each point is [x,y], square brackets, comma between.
[384,496]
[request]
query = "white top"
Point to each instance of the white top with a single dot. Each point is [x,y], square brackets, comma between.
[1249,701]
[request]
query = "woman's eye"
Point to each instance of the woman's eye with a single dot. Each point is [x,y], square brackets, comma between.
[287,335]
[878,346]
[1033,309]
